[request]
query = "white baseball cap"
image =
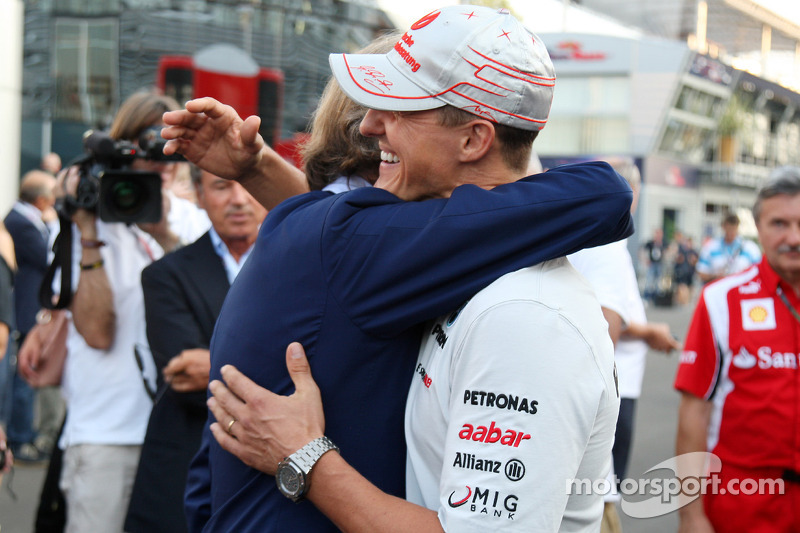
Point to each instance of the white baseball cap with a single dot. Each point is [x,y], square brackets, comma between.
[475,58]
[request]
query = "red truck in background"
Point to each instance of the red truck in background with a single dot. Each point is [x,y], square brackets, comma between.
[230,75]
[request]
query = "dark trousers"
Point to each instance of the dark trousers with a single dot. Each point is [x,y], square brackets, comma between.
[51,515]
[623,437]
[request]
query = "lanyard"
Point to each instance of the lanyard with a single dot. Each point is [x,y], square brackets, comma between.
[787,303]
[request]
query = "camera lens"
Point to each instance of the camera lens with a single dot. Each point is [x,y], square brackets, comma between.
[128,196]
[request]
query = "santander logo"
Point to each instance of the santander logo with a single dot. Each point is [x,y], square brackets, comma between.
[744,359]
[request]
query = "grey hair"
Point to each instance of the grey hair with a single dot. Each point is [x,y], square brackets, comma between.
[196,173]
[782,180]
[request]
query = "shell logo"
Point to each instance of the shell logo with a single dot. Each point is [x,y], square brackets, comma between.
[758,314]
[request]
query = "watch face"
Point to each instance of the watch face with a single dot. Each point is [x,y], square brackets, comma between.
[290,480]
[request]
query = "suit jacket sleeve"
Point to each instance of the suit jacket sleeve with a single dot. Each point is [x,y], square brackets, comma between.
[197,499]
[408,262]
[30,245]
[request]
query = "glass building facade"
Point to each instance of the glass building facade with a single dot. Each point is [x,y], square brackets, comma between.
[704,134]
[83,57]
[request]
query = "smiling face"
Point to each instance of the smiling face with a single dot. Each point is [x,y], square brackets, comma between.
[779,233]
[419,156]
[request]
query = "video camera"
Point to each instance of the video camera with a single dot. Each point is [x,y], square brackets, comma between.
[110,187]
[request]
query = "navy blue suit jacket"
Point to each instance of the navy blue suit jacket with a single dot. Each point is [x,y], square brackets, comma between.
[30,246]
[352,277]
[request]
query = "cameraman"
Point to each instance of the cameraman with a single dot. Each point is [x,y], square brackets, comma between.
[141,114]
[109,369]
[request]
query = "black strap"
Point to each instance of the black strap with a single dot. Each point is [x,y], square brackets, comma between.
[62,248]
[140,363]
[787,303]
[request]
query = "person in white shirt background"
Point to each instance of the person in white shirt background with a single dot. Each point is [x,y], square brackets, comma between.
[107,402]
[727,254]
[609,270]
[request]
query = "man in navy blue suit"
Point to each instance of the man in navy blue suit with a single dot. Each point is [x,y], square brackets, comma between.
[27,222]
[352,276]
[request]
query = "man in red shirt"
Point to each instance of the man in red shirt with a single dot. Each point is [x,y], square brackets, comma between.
[740,383]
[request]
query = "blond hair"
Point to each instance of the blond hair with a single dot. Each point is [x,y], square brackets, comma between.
[336,147]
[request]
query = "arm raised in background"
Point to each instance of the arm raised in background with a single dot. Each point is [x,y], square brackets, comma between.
[92,306]
[213,136]
[93,303]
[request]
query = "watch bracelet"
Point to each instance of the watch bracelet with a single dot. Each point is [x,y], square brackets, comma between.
[309,454]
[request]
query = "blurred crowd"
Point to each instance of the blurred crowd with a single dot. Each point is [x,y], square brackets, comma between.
[669,268]
[673,269]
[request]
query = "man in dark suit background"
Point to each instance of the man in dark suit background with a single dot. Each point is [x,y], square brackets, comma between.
[27,222]
[183,295]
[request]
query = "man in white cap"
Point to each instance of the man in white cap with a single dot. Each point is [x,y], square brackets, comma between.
[513,395]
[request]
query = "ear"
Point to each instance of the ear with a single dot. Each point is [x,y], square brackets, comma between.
[477,140]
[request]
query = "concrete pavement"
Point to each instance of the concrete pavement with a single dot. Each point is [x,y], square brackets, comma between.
[17,515]
[654,440]
[657,417]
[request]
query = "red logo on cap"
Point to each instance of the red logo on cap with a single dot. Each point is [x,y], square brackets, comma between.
[424,21]
[375,77]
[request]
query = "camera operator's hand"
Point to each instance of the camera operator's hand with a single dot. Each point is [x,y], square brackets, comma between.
[92,304]
[160,230]
[85,220]
[213,136]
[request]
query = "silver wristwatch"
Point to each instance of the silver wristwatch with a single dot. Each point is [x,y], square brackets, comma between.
[293,472]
